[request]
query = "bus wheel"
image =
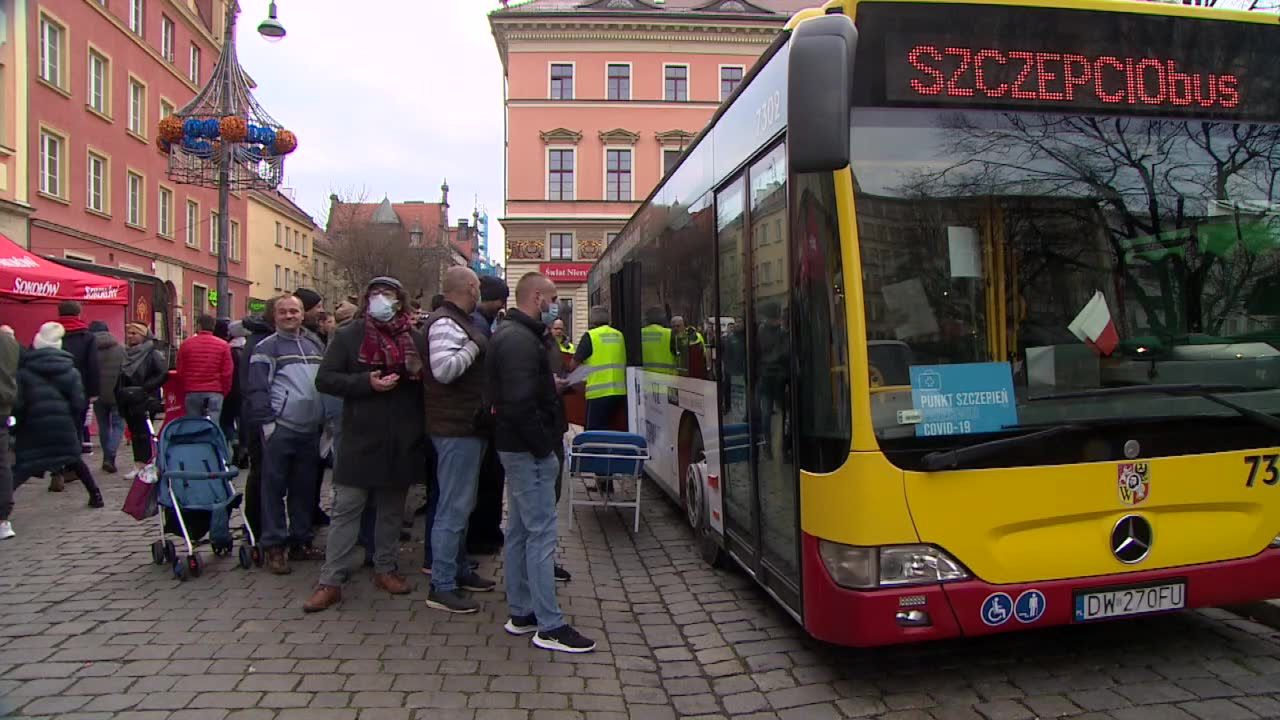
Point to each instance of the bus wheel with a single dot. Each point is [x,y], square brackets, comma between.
[695,503]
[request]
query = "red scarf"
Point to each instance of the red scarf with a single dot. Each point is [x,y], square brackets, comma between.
[71,323]
[389,346]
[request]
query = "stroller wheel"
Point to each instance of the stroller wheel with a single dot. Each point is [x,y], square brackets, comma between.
[170,552]
[195,565]
[256,554]
[246,559]
[179,570]
[157,552]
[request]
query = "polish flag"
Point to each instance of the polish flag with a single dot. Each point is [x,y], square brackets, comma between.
[1095,327]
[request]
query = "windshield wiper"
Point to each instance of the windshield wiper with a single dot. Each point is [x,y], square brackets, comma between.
[1208,392]
[945,459]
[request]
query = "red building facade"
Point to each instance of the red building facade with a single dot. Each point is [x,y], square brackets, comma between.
[103,74]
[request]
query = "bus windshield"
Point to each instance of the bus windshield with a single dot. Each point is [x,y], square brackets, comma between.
[1015,261]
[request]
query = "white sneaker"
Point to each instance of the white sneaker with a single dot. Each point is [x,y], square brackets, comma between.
[6,530]
[132,474]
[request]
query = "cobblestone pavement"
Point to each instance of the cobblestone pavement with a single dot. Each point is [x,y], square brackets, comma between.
[90,628]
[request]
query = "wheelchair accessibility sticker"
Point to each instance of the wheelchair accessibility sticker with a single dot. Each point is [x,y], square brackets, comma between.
[1029,606]
[997,609]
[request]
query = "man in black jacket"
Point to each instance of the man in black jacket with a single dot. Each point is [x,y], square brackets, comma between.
[83,346]
[527,416]
[259,327]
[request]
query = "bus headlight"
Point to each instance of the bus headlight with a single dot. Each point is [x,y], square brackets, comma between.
[915,564]
[865,568]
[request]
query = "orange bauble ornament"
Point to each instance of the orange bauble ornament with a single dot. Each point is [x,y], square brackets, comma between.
[286,142]
[171,128]
[234,129]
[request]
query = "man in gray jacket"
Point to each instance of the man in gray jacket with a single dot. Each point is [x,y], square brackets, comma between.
[281,398]
[110,424]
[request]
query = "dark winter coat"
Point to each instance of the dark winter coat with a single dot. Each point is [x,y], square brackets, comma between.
[527,411]
[140,392]
[49,410]
[110,358]
[384,440]
[258,329]
[83,347]
[10,351]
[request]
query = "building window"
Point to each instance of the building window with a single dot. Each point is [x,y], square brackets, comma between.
[52,46]
[561,246]
[199,300]
[164,222]
[560,175]
[215,231]
[193,224]
[609,237]
[617,175]
[96,190]
[730,78]
[279,229]
[676,88]
[619,82]
[166,37]
[51,159]
[288,240]
[99,83]
[304,246]
[278,285]
[297,241]
[669,159]
[235,241]
[137,108]
[193,73]
[166,109]
[561,81]
[137,10]
[136,200]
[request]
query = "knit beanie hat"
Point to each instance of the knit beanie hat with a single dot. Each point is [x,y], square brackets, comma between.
[98,326]
[50,336]
[310,298]
[493,288]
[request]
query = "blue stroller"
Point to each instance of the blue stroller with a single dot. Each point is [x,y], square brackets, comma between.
[195,490]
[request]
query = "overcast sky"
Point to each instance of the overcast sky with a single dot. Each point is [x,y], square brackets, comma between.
[386,101]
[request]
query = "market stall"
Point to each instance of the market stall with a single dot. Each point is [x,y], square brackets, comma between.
[31,288]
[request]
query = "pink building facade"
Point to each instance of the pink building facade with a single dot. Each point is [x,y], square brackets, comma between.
[601,98]
[103,74]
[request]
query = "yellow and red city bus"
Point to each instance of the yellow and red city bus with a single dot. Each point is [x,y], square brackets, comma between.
[990,294]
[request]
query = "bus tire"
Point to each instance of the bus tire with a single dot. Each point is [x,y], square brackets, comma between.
[695,503]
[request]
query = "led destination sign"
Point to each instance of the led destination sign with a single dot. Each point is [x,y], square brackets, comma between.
[1058,60]
[1060,77]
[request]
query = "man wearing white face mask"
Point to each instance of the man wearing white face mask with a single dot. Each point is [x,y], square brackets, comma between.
[375,363]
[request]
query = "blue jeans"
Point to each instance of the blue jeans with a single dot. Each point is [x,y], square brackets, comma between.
[289,460]
[110,429]
[529,555]
[458,476]
[205,404]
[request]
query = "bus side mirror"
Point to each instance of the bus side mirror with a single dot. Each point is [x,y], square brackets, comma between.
[819,93]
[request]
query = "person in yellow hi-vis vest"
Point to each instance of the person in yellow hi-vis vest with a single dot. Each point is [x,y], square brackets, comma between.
[657,343]
[562,340]
[603,350]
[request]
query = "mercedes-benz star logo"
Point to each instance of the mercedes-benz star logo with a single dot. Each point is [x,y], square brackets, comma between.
[1131,539]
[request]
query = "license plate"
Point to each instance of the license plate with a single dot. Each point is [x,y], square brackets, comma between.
[1122,602]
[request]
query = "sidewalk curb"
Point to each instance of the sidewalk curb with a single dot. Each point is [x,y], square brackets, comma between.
[1265,612]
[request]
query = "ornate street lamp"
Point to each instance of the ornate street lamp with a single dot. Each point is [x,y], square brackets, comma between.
[224,139]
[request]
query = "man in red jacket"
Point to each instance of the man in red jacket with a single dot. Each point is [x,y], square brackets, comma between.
[205,369]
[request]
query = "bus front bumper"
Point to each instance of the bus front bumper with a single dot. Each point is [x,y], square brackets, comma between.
[866,618]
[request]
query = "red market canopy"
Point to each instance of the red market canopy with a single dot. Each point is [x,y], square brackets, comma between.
[25,277]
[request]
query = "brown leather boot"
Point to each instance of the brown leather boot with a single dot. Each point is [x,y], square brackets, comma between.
[392,583]
[325,597]
[278,561]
